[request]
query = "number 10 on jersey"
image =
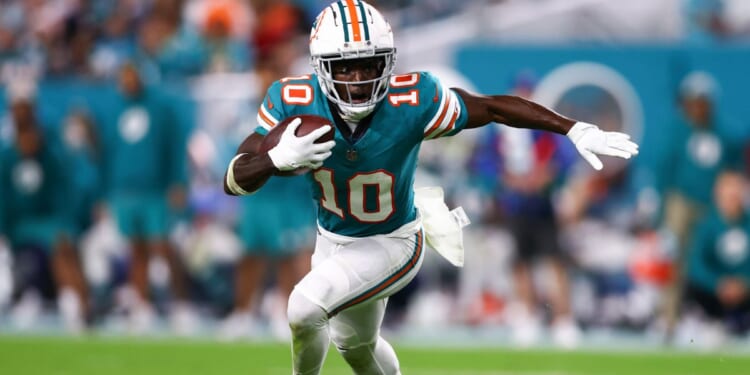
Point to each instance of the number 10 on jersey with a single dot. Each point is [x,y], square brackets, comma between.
[374,187]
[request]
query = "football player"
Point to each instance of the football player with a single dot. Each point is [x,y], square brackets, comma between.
[370,240]
[144,179]
[35,210]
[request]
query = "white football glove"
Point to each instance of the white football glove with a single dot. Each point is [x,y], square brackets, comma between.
[590,140]
[294,152]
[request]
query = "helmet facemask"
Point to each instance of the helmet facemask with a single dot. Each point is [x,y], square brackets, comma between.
[353,102]
[352,32]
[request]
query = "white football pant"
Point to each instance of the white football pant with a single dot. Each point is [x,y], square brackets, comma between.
[343,298]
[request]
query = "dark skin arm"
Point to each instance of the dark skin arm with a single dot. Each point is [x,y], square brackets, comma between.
[512,111]
[251,171]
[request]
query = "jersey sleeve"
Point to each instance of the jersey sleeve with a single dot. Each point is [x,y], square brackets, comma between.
[445,113]
[271,110]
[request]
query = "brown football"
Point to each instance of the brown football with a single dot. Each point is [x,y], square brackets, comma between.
[309,123]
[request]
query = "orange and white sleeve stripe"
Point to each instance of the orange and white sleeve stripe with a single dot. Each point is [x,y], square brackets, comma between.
[445,118]
[265,118]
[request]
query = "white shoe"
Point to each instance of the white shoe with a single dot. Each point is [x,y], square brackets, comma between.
[71,311]
[565,333]
[713,336]
[183,320]
[694,332]
[141,319]
[236,326]
[25,313]
[526,332]
[526,327]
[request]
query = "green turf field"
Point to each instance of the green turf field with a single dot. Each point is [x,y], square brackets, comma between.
[108,356]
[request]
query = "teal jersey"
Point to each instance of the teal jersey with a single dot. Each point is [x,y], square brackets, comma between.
[719,249]
[695,159]
[144,147]
[33,188]
[366,187]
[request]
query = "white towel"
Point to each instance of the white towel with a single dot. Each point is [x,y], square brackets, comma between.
[443,228]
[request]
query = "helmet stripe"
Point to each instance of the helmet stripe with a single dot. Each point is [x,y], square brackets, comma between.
[344,21]
[355,20]
[364,20]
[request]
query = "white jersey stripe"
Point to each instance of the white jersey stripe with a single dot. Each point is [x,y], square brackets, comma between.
[268,115]
[262,123]
[447,122]
[439,115]
[450,126]
[265,119]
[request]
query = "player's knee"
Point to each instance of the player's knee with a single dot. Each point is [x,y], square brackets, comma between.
[304,314]
[347,338]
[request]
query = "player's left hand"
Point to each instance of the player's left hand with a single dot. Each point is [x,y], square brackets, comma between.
[590,141]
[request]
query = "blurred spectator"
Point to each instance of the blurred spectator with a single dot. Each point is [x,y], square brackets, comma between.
[173,49]
[116,43]
[223,26]
[704,21]
[527,166]
[64,35]
[279,22]
[718,273]
[144,178]
[81,143]
[35,218]
[15,46]
[11,25]
[697,151]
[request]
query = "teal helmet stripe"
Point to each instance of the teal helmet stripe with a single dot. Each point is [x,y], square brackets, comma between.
[344,20]
[364,20]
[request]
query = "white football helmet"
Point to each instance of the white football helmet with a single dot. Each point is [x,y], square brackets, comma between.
[351,29]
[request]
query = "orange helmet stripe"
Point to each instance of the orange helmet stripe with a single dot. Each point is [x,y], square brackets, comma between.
[354,18]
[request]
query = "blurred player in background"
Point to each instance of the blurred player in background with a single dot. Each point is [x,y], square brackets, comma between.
[526,167]
[718,269]
[144,176]
[35,212]
[370,240]
[699,150]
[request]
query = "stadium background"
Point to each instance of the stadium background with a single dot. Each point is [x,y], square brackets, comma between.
[603,61]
